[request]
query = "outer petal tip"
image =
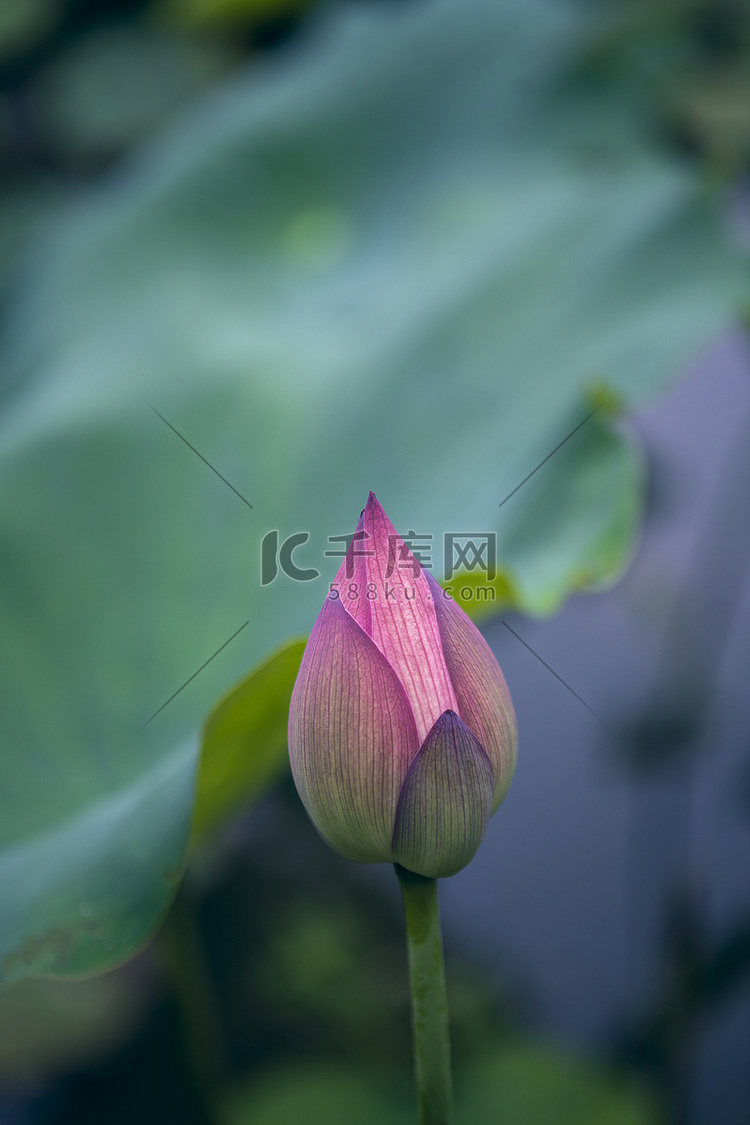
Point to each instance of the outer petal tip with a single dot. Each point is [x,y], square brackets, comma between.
[445,802]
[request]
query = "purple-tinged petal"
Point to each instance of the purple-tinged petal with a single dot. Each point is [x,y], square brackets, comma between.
[445,803]
[351,581]
[389,596]
[484,701]
[351,737]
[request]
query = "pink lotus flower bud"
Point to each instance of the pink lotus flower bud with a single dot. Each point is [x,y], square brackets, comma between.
[402,734]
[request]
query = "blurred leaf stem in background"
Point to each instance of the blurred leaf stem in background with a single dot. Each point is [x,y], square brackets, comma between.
[188,972]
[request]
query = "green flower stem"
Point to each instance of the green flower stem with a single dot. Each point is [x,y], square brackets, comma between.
[432,1060]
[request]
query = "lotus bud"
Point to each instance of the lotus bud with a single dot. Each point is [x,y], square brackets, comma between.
[402,734]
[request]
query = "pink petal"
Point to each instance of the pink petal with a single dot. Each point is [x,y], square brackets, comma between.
[484,701]
[351,737]
[397,610]
[352,577]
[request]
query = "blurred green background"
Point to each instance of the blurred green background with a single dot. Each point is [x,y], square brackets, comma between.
[406,245]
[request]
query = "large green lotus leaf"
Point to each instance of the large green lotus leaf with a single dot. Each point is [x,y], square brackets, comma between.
[244,743]
[402,255]
[578,515]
